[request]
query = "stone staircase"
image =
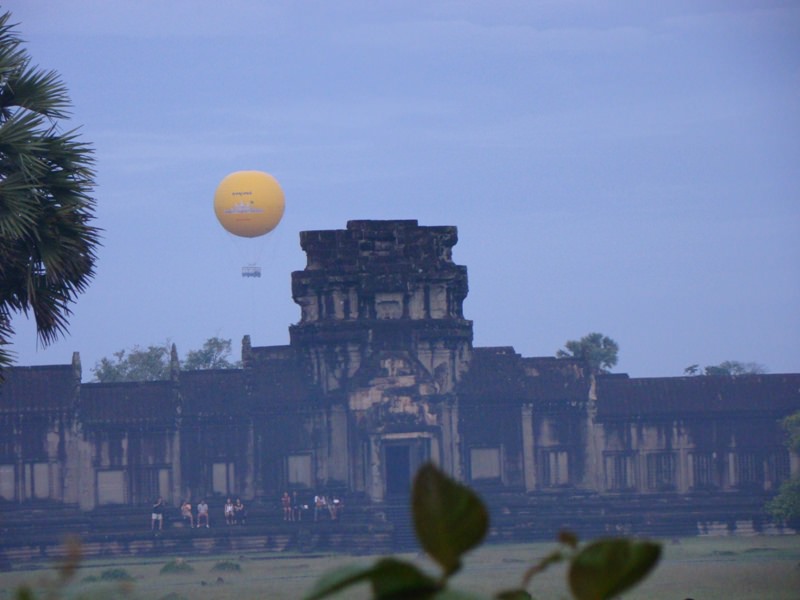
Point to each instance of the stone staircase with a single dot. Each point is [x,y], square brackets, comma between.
[397,513]
[37,532]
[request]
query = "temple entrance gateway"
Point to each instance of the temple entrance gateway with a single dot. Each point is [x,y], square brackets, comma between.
[401,459]
[398,469]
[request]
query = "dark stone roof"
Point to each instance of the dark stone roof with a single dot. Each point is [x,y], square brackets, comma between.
[142,403]
[278,384]
[42,388]
[272,384]
[212,392]
[501,375]
[619,396]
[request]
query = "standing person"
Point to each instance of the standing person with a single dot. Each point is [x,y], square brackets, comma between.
[157,515]
[286,502]
[202,512]
[297,508]
[228,511]
[336,507]
[332,506]
[186,513]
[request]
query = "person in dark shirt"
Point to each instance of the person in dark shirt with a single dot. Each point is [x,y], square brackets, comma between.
[157,515]
[297,508]
[239,512]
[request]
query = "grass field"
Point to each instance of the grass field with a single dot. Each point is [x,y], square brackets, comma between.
[711,568]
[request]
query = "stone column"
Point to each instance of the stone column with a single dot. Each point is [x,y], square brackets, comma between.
[594,467]
[175,461]
[375,486]
[450,456]
[338,454]
[528,448]
[682,468]
[248,477]
[85,475]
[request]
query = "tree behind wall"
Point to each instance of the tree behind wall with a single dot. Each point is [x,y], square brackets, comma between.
[213,355]
[47,242]
[153,363]
[735,367]
[785,507]
[598,350]
[137,364]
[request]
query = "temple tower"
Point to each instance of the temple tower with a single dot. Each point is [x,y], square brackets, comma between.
[377,287]
[384,337]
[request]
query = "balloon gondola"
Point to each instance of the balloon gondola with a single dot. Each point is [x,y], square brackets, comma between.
[249,204]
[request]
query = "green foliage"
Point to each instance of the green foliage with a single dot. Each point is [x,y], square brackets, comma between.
[153,362]
[177,565]
[389,578]
[450,520]
[227,565]
[47,242]
[785,507]
[213,355]
[607,568]
[730,368]
[598,350]
[116,574]
[727,368]
[792,426]
[24,592]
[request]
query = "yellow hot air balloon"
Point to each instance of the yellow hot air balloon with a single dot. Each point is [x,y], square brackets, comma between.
[249,203]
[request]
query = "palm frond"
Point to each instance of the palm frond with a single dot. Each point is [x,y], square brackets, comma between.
[47,241]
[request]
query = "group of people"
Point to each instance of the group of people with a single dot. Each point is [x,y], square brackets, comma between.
[234,512]
[323,505]
[292,508]
[333,506]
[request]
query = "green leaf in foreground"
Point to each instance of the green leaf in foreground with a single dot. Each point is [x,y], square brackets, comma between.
[389,578]
[337,580]
[449,518]
[606,568]
[396,579]
[513,595]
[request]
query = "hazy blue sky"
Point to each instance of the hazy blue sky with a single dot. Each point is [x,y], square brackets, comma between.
[625,167]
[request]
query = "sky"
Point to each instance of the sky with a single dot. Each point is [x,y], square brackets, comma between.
[630,168]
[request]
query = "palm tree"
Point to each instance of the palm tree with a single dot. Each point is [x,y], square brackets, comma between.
[47,242]
[598,350]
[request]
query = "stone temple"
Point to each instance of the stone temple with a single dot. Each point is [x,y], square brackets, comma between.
[381,375]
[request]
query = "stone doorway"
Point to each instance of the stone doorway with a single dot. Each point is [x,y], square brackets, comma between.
[401,459]
[397,459]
